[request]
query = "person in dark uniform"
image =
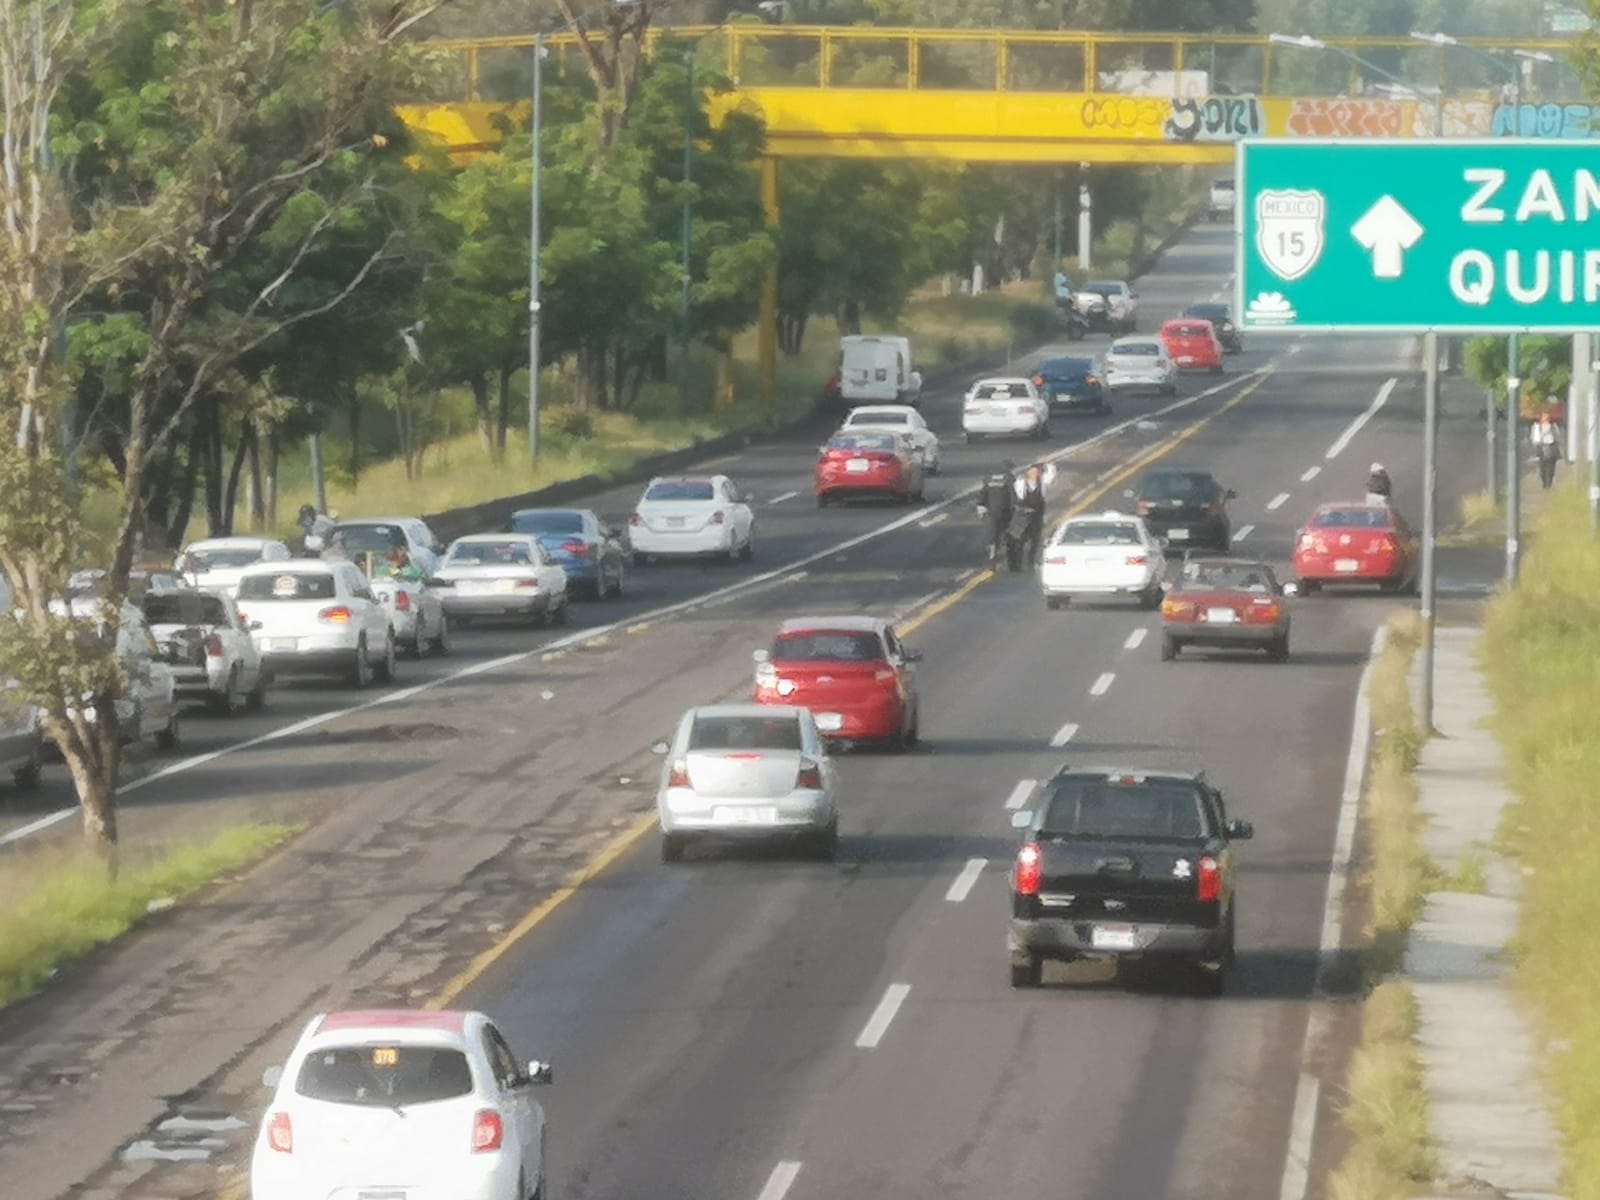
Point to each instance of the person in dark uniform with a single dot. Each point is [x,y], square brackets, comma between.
[996,500]
[1028,522]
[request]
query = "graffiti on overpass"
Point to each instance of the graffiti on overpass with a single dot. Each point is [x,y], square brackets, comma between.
[1126,116]
[1214,119]
[1340,117]
[1568,122]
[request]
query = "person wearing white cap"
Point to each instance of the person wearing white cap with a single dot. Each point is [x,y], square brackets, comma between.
[1379,489]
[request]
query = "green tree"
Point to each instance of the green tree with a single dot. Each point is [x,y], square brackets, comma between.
[1545,366]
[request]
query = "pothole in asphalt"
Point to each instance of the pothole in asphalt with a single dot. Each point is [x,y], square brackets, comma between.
[186,1134]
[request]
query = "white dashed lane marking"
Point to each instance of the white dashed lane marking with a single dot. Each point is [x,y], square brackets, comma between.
[1020,793]
[780,1181]
[1102,685]
[1243,532]
[878,1024]
[1311,473]
[964,881]
[1277,501]
[780,498]
[1064,735]
[1135,639]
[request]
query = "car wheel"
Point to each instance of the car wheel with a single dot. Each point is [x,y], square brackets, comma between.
[1278,650]
[616,583]
[170,739]
[748,550]
[640,559]
[385,672]
[230,701]
[965,436]
[1027,972]
[1307,587]
[1055,603]
[361,669]
[28,776]
[441,639]
[914,734]
[257,699]
[671,847]
[1169,389]
[1169,648]
[558,615]
[822,501]
[825,844]
[1151,598]
[1217,370]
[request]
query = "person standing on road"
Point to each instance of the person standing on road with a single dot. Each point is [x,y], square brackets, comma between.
[1547,440]
[1379,489]
[995,502]
[1029,522]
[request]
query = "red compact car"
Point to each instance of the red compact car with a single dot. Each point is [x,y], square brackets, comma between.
[853,674]
[1192,344]
[853,465]
[1355,543]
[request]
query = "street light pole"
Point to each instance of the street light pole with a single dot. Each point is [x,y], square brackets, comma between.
[688,213]
[533,257]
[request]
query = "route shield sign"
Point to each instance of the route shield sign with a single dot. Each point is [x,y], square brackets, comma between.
[1473,236]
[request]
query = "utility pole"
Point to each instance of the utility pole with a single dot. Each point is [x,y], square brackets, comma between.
[1513,457]
[688,215]
[1430,520]
[533,257]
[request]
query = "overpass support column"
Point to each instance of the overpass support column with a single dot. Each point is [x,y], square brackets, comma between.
[767,320]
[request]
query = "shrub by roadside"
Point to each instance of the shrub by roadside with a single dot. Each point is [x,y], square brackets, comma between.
[55,908]
[1541,651]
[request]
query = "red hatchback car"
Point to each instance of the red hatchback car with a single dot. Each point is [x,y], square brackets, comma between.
[853,674]
[1192,345]
[854,465]
[1355,543]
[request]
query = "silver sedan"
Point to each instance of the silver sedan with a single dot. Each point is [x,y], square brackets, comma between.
[747,771]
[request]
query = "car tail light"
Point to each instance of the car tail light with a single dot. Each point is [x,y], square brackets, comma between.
[883,675]
[679,778]
[1263,613]
[1137,560]
[1028,873]
[1216,508]
[1208,881]
[1313,543]
[1181,610]
[810,777]
[1091,379]
[527,583]
[1142,507]
[244,619]
[1387,545]
[335,616]
[402,601]
[1055,557]
[1038,381]
[718,517]
[633,519]
[280,1133]
[488,1131]
[574,546]
[214,646]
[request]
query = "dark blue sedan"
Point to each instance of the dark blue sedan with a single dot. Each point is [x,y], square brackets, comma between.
[1071,385]
[582,545]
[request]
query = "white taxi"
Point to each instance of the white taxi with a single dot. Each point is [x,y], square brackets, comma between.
[1005,406]
[309,616]
[1104,555]
[901,419]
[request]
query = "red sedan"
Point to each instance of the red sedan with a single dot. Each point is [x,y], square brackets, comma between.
[1356,543]
[1192,344]
[853,674]
[853,465]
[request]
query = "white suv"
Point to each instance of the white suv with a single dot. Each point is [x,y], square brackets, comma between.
[310,617]
[1223,199]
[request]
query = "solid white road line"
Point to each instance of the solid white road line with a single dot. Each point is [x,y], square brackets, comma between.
[779,499]
[1135,639]
[932,521]
[1277,501]
[1310,474]
[1102,685]
[1024,789]
[1064,735]
[1302,1135]
[1243,532]
[780,1181]
[878,1023]
[964,881]
[1355,426]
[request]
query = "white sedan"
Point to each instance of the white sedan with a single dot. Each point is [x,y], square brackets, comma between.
[1004,407]
[692,517]
[1140,363]
[502,575]
[216,563]
[212,655]
[901,419]
[395,1103]
[313,617]
[1112,554]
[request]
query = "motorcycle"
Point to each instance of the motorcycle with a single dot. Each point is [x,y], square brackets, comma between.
[1076,326]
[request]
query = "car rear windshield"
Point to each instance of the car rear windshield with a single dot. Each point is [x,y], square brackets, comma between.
[745,733]
[827,646]
[1353,518]
[374,539]
[1207,312]
[1103,289]
[288,586]
[384,1076]
[1227,577]
[180,608]
[681,489]
[878,417]
[862,441]
[1187,331]
[1065,368]
[1098,533]
[211,558]
[1136,349]
[546,522]
[1000,391]
[474,554]
[1194,488]
[1099,808]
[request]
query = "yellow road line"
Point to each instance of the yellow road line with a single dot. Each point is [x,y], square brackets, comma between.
[947,602]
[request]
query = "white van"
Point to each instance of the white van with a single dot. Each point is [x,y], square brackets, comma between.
[1223,199]
[877,370]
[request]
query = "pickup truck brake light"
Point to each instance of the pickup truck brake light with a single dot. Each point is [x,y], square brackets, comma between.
[1208,877]
[1029,871]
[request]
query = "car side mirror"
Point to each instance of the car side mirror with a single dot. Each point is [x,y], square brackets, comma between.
[1240,831]
[912,656]
[540,1073]
[659,748]
[255,624]
[1289,589]
[761,656]
[1127,494]
[271,1076]
[1230,494]
[1021,820]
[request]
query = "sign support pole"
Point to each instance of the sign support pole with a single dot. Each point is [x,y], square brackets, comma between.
[1430,522]
[1593,430]
[1491,461]
[1513,458]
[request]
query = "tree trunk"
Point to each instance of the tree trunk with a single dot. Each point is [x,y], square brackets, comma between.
[480,404]
[258,507]
[619,374]
[211,423]
[274,450]
[186,489]
[792,332]
[850,318]
[503,420]
[591,377]
[636,383]
[92,754]
[230,495]
[354,463]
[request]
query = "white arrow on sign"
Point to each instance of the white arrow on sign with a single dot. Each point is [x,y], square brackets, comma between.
[1387,230]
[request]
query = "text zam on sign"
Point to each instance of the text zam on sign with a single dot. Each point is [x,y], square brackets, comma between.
[1473,273]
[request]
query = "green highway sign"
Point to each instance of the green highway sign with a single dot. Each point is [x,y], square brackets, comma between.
[1397,236]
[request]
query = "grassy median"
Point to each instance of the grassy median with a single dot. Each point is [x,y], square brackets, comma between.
[1385,1109]
[1542,653]
[57,906]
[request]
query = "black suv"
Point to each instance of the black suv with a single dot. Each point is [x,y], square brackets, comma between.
[1221,318]
[1186,507]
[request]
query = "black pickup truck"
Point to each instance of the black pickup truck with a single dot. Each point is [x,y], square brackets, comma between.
[1125,864]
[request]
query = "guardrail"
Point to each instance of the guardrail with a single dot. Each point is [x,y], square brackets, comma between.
[1156,64]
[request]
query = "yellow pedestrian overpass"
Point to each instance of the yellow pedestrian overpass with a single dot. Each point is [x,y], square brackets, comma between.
[1044,97]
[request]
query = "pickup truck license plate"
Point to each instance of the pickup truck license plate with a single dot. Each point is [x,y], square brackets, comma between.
[829,722]
[1178,535]
[283,643]
[1114,937]
[857,466]
[1221,616]
[741,814]
[1346,565]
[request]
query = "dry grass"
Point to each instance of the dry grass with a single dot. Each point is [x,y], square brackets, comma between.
[1385,1110]
[1482,522]
[56,905]
[1542,654]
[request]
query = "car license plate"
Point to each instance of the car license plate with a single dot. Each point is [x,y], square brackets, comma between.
[1186,358]
[1221,616]
[505,585]
[474,587]
[385,1194]
[676,522]
[283,643]
[1346,565]
[829,722]
[1178,535]
[1094,562]
[742,814]
[1114,937]
[857,466]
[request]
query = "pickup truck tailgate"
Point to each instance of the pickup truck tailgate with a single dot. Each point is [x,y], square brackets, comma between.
[1127,881]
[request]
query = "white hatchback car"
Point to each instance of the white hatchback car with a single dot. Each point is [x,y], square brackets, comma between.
[1004,407]
[1140,362]
[312,617]
[216,563]
[394,1103]
[1112,554]
[902,419]
[747,770]
[692,517]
